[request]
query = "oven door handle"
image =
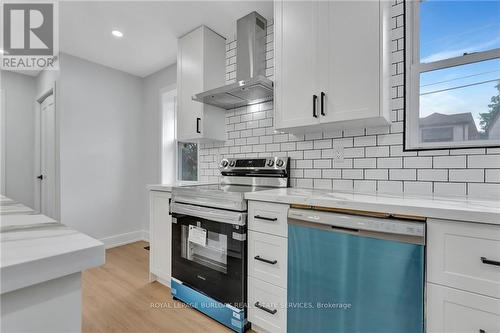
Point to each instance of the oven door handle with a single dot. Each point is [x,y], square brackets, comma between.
[212,214]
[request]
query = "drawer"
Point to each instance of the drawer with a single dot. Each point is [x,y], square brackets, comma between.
[266,306]
[267,259]
[268,217]
[454,311]
[454,256]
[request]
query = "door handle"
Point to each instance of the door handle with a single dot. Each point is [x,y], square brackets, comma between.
[257,305]
[265,218]
[40,177]
[198,125]
[490,262]
[267,261]
[323,103]
[315,101]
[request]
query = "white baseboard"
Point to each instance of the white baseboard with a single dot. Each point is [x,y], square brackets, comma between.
[126,238]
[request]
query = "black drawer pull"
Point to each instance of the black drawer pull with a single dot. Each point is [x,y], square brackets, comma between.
[315,99]
[272,262]
[198,125]
[266,218]
[323,103]
[482,331]
[257,305]
[490,262]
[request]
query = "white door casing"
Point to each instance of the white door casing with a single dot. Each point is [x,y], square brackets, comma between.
[48,157]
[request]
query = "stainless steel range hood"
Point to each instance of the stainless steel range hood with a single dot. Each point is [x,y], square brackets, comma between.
[251,86]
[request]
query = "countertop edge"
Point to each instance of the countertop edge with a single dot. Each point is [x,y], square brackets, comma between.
[475,216]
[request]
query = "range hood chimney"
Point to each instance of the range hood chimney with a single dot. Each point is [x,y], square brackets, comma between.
[251,86]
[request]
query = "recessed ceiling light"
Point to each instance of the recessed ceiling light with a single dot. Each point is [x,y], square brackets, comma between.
[117,33]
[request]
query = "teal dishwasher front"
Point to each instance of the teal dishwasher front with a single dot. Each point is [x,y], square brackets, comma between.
[354,274]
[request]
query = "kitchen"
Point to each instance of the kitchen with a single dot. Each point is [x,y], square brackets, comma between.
[273,166]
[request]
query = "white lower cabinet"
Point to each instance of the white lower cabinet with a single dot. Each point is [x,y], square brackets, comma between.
[266,306]
[267,258]
[455,311]
[267,266]
[160,237]
[463,277]
[464,256]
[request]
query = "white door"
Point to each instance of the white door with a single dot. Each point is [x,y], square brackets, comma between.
[296,65]
[47,157]
[350,56]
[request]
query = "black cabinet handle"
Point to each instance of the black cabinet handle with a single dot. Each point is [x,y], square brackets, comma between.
[272,262]
[40,177]
[198,125]
[323,103]
[315,99]
[490,262]
[482,331]
[257,305]
[266,218]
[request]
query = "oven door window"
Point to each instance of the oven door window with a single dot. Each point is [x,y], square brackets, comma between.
[213,255]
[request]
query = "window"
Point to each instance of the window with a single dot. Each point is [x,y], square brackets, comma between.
[187,159]
[179,160]
[452,74]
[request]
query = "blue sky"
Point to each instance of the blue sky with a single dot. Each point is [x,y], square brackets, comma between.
[448,29]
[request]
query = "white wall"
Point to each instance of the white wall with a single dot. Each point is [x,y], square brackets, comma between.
[102,191]
[151,126]
[20,92]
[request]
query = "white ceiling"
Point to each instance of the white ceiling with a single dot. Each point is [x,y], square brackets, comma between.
[150,28]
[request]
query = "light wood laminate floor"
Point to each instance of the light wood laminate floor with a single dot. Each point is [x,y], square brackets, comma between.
[117,297]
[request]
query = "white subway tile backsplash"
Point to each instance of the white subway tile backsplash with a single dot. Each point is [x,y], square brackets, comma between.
[492,175]
[418,162]
[450,162]
[484,161]
[392,187]
[484,190]
[467,175]
[450,189]
[417,187]
[374,158]
[432,174]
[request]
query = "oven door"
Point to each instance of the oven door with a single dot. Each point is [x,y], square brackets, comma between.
[211,258]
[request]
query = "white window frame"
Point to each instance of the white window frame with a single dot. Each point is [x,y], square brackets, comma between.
[414,68]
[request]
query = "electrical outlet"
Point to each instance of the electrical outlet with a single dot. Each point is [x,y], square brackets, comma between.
[338,153]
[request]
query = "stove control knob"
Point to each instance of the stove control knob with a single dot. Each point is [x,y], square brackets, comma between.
[232,163]
[270,163]
[279,163]
[224,163]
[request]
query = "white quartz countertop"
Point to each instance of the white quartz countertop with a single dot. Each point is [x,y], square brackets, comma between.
[168,187]
[450,208]
[35,248]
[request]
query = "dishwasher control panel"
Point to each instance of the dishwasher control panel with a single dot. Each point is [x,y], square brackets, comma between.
[357,222]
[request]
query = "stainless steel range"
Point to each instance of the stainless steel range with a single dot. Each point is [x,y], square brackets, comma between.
[209,237]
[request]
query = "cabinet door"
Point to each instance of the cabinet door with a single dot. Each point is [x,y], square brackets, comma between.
[189,83]
[350,54]
[296,63]
[451,310]
[160,235]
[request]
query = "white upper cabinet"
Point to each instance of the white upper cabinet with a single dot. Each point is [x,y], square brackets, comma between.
[296,63]
[201,61]
[332,65]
